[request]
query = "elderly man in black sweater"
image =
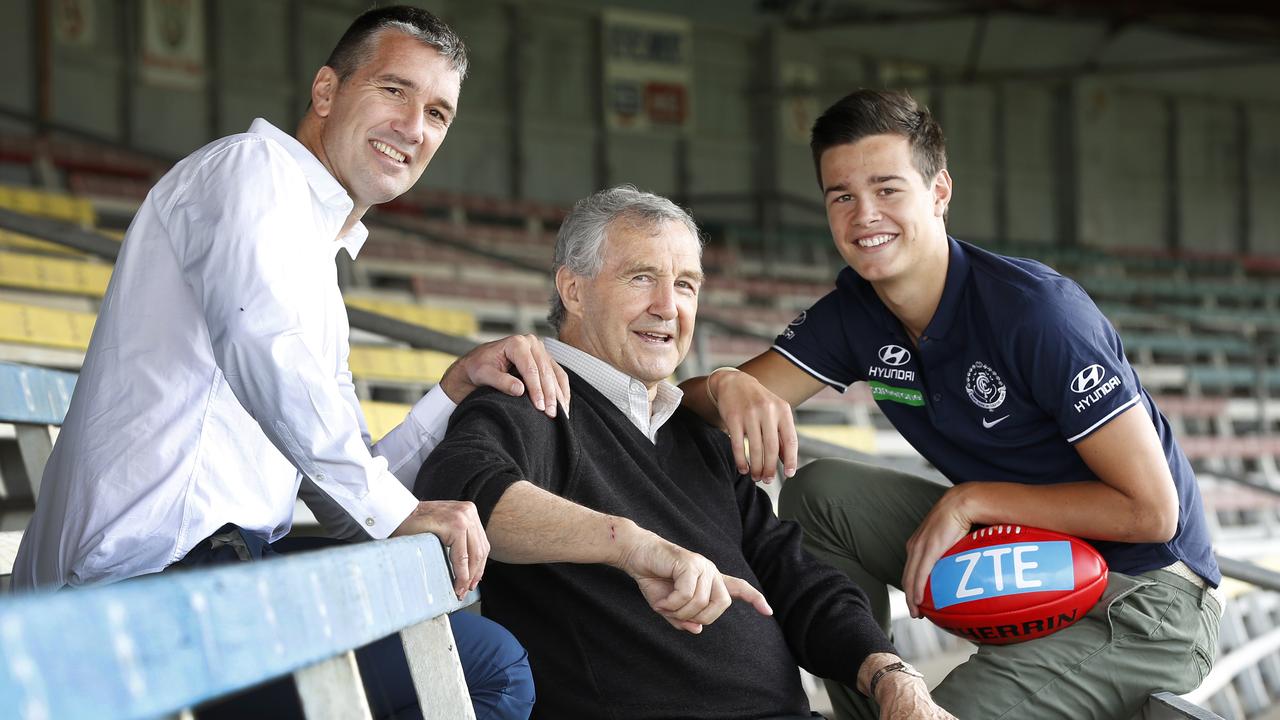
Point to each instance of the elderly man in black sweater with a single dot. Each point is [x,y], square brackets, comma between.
[646,577]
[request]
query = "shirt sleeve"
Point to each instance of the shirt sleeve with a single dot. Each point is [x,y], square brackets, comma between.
[1076,366]
[240,251]
[816,342]
[405,447]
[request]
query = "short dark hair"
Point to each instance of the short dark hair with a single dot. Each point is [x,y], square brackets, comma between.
[358,42]
[881,112]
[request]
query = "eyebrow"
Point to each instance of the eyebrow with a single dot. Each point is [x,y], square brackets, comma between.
[694,275]
[878,179]
[406,82]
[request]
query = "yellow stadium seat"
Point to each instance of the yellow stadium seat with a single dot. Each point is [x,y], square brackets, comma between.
[46,327]
[862,439]
[47,204]
[382,416]
[18,241]
[453,322]
[424,367]
[54,274]
[1231,587]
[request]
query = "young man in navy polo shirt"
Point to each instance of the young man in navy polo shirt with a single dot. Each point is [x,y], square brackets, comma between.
[1007,378]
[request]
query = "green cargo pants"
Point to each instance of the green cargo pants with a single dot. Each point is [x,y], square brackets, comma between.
[1149,632]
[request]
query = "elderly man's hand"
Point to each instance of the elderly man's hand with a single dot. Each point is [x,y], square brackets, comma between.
[496,364]
[902,697]
[685,588]
[753,413]
[458,526]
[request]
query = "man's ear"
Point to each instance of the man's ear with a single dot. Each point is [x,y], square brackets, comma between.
[323,90]
[569,285]
[941,193]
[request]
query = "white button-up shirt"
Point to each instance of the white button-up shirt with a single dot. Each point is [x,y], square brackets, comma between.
[217,377]
[625,392]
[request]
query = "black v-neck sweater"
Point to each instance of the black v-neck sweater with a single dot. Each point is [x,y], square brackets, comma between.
[596,648]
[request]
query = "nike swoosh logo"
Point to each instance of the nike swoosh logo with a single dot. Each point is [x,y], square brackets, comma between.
[992,423]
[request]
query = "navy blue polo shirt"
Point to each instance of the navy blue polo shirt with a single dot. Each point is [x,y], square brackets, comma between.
[1016,365]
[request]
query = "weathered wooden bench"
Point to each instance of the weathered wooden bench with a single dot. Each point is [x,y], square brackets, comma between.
[160,645]
[157,646]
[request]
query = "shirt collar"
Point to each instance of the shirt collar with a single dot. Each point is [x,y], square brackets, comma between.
[625,392]
[948,304]
[325,187]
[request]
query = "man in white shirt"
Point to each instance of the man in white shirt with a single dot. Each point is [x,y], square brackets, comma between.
[216,385]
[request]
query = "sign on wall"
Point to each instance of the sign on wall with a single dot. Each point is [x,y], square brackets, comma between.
[799,106]
[648,71]
[173,43]
[73,22]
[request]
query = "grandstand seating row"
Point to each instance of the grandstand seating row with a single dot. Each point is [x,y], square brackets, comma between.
[395,256]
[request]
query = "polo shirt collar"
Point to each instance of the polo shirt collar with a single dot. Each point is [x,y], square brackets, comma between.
[326,188]
[949,304]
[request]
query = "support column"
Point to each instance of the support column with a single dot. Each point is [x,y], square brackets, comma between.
[1173,177]
[1064,150]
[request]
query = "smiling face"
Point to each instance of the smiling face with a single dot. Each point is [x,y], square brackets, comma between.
[381,125]
[886,220]
[637,313]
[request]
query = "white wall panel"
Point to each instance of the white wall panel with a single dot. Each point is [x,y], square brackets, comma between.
[1122,178]
[1029,184]
[1209,176]
[17,90]
[968,125]
[1264,181]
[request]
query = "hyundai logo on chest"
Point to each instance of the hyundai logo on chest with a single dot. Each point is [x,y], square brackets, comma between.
[894,356]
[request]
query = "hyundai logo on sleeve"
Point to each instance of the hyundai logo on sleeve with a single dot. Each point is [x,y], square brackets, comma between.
[1088,378]
[894,355]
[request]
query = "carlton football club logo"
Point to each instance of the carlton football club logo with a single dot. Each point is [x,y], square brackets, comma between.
[894,355]
[984,386]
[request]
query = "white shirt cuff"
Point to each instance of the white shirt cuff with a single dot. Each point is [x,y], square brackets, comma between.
[386,506]
[431,413]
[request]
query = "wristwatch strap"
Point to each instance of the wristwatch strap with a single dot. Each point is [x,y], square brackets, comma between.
[891,667]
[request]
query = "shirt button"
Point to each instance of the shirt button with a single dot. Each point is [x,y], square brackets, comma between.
[937,397]
[321,477]
[368,521]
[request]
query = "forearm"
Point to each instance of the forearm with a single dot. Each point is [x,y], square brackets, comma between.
[531,525]
[1090,509]
[696,399]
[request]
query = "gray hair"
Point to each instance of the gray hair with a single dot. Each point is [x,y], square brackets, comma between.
[358,43]
[580,242]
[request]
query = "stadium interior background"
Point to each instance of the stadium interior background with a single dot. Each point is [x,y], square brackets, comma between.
[1134,146]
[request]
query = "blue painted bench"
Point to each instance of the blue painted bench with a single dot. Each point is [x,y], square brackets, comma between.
[33,400]
[159,645]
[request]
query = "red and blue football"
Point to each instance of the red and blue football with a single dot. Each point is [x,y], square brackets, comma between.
[1009,583]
